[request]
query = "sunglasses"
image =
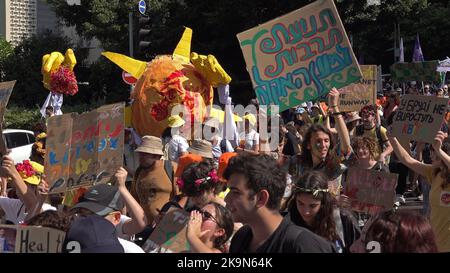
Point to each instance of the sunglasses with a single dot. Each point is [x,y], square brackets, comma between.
[208,216]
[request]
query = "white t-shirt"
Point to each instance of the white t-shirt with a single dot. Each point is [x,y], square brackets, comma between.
[15,209]
[177,146]
[130,247]
[217,150]
[251,139]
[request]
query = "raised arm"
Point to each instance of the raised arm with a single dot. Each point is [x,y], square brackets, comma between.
[437,146]
[24,192]
[405,158]
[344,136]
[138,220]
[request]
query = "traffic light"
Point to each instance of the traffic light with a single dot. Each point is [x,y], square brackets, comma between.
[143,32]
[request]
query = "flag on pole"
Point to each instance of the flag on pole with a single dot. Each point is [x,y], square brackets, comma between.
[417,55]
[402,52]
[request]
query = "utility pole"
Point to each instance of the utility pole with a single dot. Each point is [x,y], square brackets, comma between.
[130,32]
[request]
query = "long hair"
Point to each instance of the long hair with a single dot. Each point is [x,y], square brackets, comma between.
[306,155]
[443,170]
[402,231]
[225,221]
[370,143]
[324,224]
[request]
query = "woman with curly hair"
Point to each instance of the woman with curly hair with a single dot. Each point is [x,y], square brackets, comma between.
[312,206]
[209,229]
[438,175]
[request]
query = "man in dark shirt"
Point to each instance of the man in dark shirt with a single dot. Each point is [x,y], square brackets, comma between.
[256,186]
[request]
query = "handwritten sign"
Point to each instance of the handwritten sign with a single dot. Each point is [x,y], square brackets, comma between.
[370,191]
[170,234]
[300,56]
[417,71]
[84,149]
[5,92]
[355,96]
[30,239]
[419,117]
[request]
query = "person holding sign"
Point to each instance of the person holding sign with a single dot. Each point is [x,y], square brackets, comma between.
[438,175]
[209,229]
[313,207]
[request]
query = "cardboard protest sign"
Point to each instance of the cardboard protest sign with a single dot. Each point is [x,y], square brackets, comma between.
[355,96]
[419,117]
[170,234]
[85,149]
[30,239]
[417,71]
[370,191]
[300,56]
[5,92]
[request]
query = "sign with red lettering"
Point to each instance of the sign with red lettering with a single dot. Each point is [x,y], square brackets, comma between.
[85,149]
[419,117]
[370,191]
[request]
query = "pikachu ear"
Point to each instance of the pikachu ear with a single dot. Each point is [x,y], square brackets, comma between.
[183,49]
[135,67]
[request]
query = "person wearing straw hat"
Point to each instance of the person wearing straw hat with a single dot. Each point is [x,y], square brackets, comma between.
[250,138]
[178,145]
[26,177]
[153,184]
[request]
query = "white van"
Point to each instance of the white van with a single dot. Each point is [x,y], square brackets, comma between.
[19,142]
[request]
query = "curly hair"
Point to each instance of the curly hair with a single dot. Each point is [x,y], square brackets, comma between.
[225,221]
[368,142]
[324,224]
[402,231]
[50,219]
[197,171]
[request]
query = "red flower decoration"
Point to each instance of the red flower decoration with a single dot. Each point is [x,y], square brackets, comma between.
[63,81]
[25,169]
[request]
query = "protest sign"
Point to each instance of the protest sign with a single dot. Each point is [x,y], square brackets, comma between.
[84,149]
[419,117]
[30,239]
[170,234]
[5,92]
[417,71]
[355,96]
[370,191]
[300,56]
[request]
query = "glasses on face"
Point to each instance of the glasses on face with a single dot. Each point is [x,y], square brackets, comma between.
[208,216]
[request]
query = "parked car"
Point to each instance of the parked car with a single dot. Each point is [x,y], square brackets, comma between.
[19,142]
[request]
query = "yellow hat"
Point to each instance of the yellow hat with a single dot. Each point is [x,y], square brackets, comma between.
[175,121]
[30,171]
[251,118]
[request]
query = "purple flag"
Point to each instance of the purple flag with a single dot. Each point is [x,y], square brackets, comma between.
[417,55]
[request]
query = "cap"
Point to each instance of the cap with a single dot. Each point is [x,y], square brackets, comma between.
[251,118]
[101,199]
[95,234]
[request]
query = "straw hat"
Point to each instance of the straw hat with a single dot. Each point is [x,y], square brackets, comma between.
[151,145]
[201,147]
[352,116]
[175,121]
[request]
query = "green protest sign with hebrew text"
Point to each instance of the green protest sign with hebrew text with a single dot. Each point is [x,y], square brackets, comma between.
[300,56]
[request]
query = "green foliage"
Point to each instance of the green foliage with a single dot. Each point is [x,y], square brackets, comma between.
[5,49]
[22,117]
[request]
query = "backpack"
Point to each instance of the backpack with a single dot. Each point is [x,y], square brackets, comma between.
[360,131]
